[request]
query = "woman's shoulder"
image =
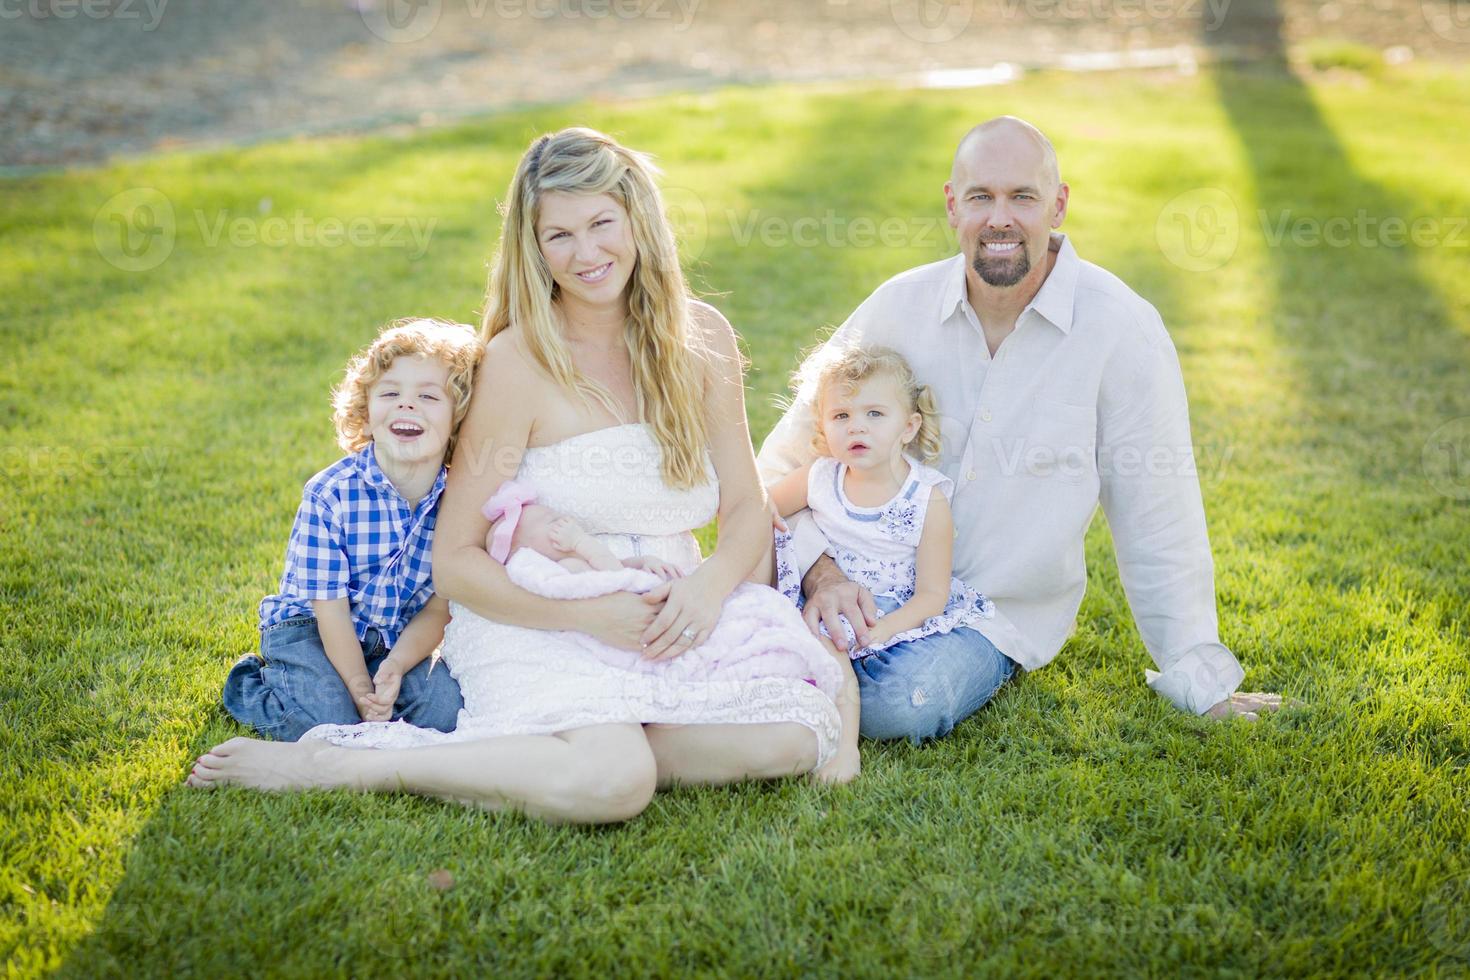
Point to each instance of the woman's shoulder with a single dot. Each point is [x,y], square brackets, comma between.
[508,364]
[710,326]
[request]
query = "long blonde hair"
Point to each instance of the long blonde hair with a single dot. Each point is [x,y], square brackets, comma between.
[849,367]
[667,354]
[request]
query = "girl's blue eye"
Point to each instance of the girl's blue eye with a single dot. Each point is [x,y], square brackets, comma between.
[876,413]
[390,394]
[431,398]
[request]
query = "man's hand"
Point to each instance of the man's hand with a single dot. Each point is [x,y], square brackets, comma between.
[1249,705]
[830,596]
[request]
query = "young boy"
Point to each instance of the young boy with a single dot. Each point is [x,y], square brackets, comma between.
[348,634]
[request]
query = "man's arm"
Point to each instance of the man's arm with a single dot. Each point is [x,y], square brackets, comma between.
[1150,493]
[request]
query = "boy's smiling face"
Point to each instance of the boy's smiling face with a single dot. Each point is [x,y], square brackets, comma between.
[410,411]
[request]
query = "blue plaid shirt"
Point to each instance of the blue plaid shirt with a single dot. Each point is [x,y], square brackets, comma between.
[355,537]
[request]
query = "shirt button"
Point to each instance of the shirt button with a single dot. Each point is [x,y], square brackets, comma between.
[985,415]
[970,475]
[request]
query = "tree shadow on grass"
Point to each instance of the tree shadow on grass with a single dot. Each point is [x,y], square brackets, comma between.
[1379,359]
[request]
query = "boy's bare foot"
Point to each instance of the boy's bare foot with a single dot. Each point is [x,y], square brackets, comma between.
[264,765]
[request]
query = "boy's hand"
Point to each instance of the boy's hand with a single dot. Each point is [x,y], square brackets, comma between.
[378,705]
[361,689]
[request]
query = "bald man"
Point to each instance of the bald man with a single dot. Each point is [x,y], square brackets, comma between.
[1059,389]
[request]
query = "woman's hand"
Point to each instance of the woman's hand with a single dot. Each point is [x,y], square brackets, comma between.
[665,570]
[618,619]
[690,610]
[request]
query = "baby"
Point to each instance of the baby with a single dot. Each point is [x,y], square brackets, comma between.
[517,522]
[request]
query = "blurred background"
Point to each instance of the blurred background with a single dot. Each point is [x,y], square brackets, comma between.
[81,80]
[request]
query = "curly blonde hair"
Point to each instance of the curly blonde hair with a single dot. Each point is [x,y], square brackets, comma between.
[453,343]
[668,352]
[849,367]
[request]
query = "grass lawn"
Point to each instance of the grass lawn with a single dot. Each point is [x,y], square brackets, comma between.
[159,422]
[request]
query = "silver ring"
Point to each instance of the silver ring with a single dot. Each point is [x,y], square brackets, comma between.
[688,633]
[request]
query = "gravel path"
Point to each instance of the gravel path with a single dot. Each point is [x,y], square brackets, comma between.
[83,79]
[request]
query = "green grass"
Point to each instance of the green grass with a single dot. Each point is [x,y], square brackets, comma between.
[158,426]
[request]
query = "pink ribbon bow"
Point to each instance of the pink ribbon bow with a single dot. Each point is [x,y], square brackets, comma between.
[505,506]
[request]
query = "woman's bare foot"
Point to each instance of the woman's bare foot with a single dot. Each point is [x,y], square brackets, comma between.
[842,768]
[266,765]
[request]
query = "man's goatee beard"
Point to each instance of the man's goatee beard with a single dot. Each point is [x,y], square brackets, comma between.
[1007,276]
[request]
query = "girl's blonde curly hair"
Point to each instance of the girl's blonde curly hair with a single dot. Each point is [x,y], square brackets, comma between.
[456,344]
[850,366]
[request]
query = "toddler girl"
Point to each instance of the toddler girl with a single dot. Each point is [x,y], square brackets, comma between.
[885,513]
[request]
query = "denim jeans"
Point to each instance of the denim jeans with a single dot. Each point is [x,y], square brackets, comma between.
[922,688]
[295,687]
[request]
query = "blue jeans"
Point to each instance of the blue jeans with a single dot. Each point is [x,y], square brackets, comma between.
[295,687]
[922,688]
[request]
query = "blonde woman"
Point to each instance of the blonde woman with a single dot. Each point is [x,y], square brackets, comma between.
[620,401]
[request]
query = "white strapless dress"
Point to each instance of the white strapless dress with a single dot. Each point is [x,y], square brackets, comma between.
[519,681]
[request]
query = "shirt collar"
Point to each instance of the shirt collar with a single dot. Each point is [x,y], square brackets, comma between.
[373,475]
[1053,301]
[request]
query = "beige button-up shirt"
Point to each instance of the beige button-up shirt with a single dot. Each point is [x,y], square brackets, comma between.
[1083,403]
